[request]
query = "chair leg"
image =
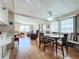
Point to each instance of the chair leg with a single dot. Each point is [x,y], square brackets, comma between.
[66,49]
[44,47]
[56,47]
[52,45]
[39,44]
[62,51]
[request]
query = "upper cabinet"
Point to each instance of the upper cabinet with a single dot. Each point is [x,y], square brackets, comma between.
[3,14]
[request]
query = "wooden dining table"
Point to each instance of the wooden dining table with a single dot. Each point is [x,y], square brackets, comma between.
[54,37]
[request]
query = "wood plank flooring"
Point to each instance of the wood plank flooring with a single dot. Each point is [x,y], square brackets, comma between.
[28,49]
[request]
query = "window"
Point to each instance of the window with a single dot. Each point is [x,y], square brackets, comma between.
[54,26]
[66,25]
[44,28]
[25,28]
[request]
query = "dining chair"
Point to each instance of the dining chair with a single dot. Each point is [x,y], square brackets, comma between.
[16,38]
[44,40]
[62,43]
[74,37]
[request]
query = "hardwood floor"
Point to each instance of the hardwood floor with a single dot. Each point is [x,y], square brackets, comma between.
[28,49]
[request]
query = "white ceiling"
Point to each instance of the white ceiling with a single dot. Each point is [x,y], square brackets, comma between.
[27,20]
[40,8]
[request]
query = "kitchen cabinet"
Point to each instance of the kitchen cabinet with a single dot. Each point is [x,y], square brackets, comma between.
[3,14]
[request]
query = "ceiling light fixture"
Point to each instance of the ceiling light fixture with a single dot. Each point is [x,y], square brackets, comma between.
[50,16]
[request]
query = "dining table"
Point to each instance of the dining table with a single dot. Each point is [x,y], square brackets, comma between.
[54,37]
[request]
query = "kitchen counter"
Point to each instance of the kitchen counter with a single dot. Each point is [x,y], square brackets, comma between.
[4,42]
[3,45]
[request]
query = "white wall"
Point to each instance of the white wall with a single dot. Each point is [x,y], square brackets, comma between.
[16,27]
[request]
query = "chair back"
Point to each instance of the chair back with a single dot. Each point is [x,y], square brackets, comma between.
[40,36]
[37,31]
[73,36]
[64,39]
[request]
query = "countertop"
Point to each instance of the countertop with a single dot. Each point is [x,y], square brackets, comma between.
[5,41]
